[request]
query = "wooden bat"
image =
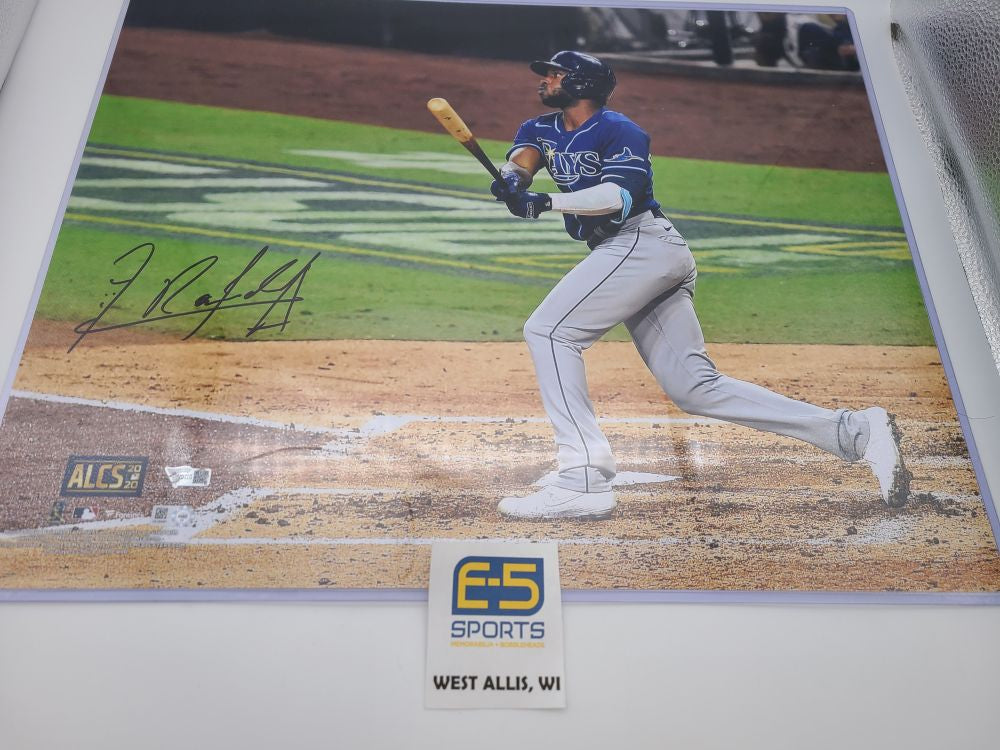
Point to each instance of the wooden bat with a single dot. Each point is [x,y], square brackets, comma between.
[451,122]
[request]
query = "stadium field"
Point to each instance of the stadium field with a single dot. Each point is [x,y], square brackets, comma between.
[413,247]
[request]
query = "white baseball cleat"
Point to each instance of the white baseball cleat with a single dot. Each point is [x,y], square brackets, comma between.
[883,455]
[551,503]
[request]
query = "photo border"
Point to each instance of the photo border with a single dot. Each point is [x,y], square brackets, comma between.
[722,596]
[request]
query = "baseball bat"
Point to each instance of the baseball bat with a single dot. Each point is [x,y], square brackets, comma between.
[451,122]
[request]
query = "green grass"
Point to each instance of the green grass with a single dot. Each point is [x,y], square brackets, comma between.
[343,299]
[882,307]
[812,195]
[348,299]
[844,301]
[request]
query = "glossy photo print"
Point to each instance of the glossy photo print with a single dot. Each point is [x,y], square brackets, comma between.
[636,282]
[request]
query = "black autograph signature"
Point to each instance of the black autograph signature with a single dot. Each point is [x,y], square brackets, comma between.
[272,293]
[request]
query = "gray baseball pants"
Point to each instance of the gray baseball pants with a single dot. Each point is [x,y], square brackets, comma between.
[644,276]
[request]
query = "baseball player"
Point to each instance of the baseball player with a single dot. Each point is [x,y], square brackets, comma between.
[639,271]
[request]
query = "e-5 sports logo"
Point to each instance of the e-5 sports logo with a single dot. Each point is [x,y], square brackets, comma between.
[488,587]
[104,476]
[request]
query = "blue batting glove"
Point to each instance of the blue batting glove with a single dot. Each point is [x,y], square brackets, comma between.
[509,187]
[529,205]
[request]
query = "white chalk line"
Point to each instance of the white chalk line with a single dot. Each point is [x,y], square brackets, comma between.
[205,517]
[175,412]
[222,508]
[385,423]
[113,523]
[380,424]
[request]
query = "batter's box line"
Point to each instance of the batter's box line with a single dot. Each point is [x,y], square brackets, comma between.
[384,423]
[380,424]
[174,412]
[203,518]
[224,507]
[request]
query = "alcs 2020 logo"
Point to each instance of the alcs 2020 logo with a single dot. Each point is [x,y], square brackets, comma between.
[104,476]
[498,586]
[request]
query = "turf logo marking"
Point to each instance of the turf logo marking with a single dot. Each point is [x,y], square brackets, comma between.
[153,166]
[417,160]
[395,221]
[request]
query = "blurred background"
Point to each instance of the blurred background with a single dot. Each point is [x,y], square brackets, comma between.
[634,37]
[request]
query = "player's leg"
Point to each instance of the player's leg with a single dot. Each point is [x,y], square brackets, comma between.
[669,338]
[608,286]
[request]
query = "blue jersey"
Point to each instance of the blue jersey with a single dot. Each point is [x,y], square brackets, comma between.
[608,147]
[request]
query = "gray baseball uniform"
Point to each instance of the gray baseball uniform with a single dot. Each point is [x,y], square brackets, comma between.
[644,275]
[641,272]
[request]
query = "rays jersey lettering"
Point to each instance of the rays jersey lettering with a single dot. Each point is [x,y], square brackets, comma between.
[608,147]
[567,169]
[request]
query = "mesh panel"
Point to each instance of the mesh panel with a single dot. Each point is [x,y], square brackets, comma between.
[948,52]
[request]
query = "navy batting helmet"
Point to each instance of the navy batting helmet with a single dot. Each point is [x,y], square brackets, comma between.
[586,77]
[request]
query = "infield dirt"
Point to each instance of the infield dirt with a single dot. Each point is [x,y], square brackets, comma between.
[749,510]
[796,126]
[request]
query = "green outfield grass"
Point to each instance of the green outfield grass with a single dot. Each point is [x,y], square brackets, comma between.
[884,307]
[858,296]
[345,299]
[814,195]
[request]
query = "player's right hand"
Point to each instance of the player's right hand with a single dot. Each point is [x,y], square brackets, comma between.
[507,188]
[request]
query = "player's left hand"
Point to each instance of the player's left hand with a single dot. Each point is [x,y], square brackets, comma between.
[529,205]
[509,187]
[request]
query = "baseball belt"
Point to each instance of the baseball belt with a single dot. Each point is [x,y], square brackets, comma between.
[606,231]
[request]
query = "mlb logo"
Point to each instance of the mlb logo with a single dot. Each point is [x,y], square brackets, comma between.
[85,513]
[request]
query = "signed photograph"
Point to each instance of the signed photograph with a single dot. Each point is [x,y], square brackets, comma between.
[339,280]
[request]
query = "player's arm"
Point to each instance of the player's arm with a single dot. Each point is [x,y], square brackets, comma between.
[593,201]
[606,198]
[517,173]
[522,165]
[624,175]
[625,170]
[525,159]
[599,200]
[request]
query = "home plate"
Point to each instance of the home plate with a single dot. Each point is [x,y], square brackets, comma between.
[621,479]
